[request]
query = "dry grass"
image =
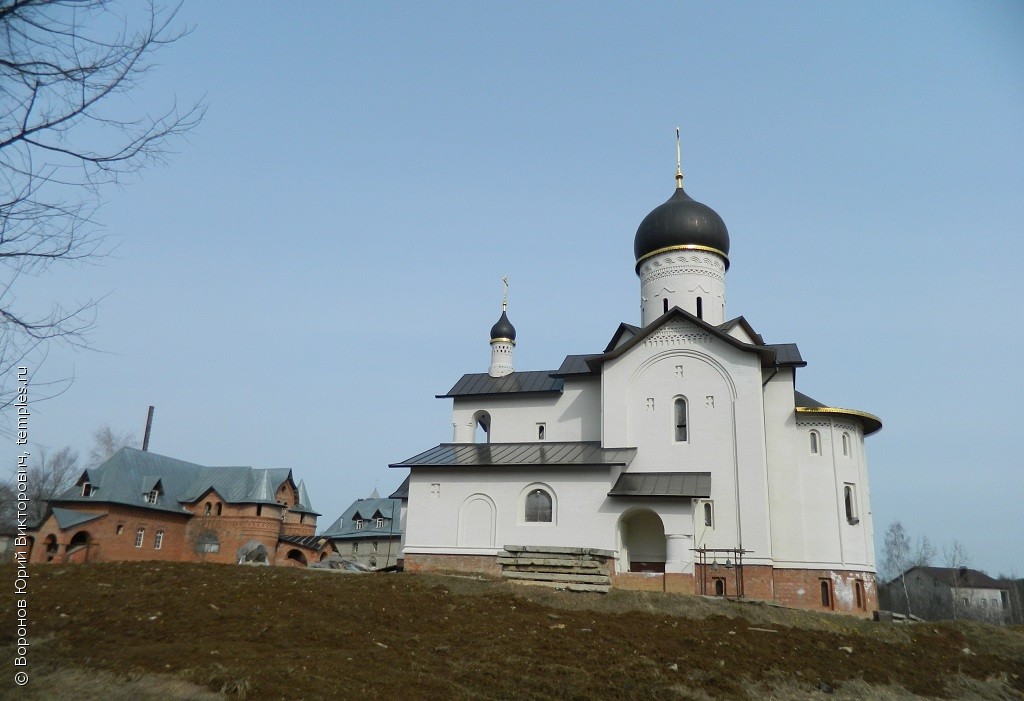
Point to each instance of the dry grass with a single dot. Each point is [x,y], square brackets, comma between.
[213,631]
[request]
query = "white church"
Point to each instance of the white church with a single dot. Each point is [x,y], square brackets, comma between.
[682,453]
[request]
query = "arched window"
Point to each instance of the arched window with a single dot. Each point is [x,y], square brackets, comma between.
[709,516]
[846,444]
[826,593]
[482,427]
[538,507]
[858,588]
[851,505]
[220,508]
[700,308]
[680,419]
[719,586]
[664,305]
[815,443]
[207,509]
[208,543]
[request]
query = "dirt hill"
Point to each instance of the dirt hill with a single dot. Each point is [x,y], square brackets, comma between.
[184,631]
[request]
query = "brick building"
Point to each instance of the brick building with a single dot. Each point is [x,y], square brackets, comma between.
[142,506]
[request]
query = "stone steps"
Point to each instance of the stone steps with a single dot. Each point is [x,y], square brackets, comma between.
[575,569]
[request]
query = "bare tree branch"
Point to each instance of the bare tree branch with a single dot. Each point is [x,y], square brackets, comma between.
[64,134]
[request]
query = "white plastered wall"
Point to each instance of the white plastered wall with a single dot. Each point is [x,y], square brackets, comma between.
[680,277]
[722,386]
[573,415]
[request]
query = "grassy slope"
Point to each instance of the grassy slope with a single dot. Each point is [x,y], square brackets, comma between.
[278,633]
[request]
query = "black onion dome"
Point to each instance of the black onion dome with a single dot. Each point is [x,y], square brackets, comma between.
[681,221]
[503,329]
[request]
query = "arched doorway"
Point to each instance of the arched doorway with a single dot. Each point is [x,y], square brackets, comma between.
[641,542]
[50,547]
[78,547]
[297,557]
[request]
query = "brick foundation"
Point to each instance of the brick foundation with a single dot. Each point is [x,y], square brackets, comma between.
[789,587]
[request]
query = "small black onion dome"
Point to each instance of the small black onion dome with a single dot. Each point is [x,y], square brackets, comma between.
[503,329]
[681,221]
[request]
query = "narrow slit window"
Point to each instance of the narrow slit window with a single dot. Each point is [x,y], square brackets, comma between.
[826,593]
[158,542]
[140,535]
[709,515]
[851,505]
[680,420]
[664,305]
[542,431]
[700,308]
[846,444]
[220,509]
[815,443]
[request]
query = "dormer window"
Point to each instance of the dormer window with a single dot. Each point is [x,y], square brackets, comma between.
[380,522]
[359,524]
[86,489]
[151,496]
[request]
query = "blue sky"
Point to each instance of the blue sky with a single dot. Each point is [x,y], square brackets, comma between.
[323,254]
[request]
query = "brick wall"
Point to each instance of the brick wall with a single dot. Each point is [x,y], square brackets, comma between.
[802,589]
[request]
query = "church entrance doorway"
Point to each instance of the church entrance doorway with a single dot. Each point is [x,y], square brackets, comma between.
[642,540]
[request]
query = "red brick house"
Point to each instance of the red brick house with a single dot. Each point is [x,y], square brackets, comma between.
[143,506]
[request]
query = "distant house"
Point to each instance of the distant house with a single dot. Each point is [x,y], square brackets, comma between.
[142,506]
[369,533]
[936,593]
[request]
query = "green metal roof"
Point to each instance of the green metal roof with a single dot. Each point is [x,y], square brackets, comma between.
[69,518]
[129,474]
[367,511]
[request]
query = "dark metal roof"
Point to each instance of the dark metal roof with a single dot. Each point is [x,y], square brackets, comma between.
[481,384]
[618,349]
[745,325]
[662,484]
[680,221]
[305,541]
[574,365]
[402,493]
[960,577]
[503,328]
[787,354]
[541,453]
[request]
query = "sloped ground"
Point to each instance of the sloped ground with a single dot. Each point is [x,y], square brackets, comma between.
[182,631]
